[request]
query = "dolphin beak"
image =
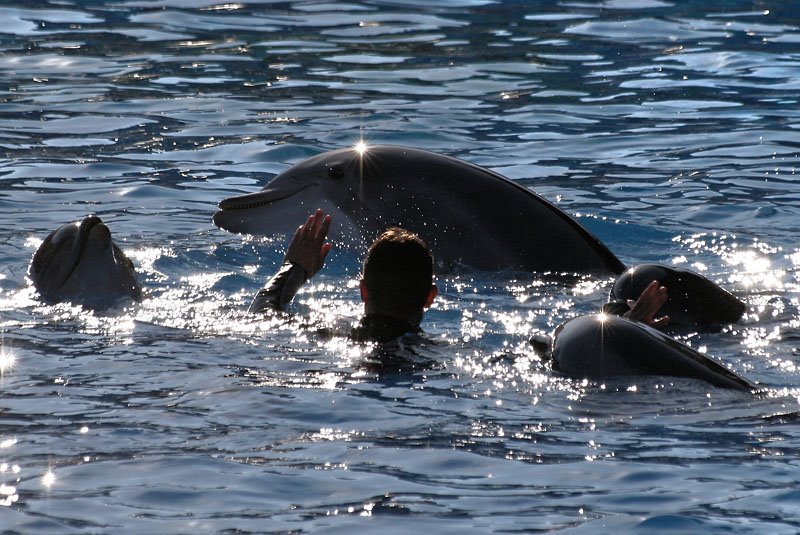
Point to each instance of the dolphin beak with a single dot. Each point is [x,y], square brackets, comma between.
[89,225]
[260,198]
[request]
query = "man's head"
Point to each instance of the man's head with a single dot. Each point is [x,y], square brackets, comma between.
[398,276]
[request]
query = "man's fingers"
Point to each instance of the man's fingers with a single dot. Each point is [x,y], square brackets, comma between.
[324,227]
[309,224]
[315,223]
[648,304]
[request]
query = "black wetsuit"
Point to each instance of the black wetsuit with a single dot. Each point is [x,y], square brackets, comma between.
[282,287]
[381,329]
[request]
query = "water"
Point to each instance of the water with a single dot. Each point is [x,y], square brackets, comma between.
[669,128]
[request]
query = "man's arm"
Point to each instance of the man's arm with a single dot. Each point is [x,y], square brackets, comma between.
[304,258]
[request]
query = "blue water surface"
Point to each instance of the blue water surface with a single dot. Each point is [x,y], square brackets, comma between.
[668,128]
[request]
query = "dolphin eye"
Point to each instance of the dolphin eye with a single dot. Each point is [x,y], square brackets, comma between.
[335,173]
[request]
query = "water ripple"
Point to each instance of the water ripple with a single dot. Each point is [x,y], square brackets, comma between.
[669,129]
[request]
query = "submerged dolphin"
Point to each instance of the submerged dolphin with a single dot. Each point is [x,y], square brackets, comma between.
[468,215]
[601,346]
[79,262]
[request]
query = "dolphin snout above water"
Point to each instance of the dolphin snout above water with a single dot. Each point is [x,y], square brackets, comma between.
[469,216]
[80,262]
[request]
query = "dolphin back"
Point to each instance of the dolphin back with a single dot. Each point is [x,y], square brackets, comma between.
[602,346]
[477,217]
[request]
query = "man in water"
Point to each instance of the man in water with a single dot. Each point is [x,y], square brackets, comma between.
[396,284]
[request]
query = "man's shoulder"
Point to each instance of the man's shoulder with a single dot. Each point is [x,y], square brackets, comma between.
[409,352]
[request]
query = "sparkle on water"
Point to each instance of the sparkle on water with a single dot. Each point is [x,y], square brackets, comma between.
[48,479]
[7,360]
[667,128]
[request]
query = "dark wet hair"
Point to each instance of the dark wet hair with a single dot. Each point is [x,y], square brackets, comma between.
[398,273]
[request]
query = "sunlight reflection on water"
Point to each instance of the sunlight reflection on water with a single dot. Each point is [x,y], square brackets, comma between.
[667,128]
[7,360]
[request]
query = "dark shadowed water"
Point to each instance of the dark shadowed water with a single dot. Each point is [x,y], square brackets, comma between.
[669,128]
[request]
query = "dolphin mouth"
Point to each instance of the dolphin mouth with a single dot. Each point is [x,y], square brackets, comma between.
[260,198]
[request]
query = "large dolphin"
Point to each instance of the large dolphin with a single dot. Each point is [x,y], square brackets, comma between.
[469,215]
[601,346]
[79,262]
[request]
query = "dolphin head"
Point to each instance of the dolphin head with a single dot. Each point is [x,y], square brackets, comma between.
[80,262]
[330,181]
[694,300]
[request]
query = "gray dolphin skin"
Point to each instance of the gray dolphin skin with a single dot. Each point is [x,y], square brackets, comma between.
[694,301]
[79,262]
[469,216]
[600,346]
